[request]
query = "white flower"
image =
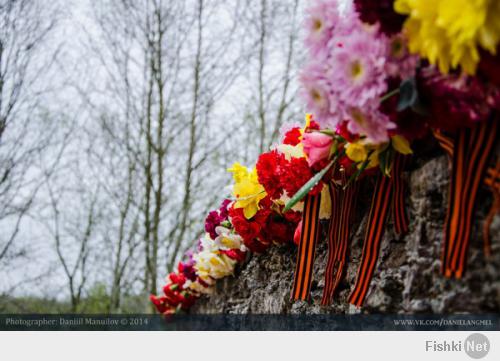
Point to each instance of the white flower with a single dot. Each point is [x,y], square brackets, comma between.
[198,288]
[227,239]
[295,151]
[213,263]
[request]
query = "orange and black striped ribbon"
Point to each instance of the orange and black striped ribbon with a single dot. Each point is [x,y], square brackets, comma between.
[400,217]
[492,180]
[470,152]
[371,246]
[445,142]
[343,205]
[307,248]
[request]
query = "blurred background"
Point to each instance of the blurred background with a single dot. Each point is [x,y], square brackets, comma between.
[118,119]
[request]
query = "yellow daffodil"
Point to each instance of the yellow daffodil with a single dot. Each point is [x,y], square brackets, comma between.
[239,172]
[359,152]
[247,190]
[448,32]
[356,152]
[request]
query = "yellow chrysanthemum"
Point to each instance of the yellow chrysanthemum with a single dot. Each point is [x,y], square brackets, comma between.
[448,32]
[247,190]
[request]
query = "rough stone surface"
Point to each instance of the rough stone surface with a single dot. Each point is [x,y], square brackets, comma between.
[407,277]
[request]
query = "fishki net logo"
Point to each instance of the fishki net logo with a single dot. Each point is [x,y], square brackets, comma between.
[475,345]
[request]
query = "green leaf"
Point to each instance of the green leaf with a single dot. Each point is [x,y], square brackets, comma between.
[385,160]
[333,148]
[302,192]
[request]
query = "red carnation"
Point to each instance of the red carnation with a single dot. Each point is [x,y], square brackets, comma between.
[293,216]
[295,174]
[319,165]
[159,303]
[278,230]
[212,221]
[251,229]
[454,100]
[256,246]
[235,254]
[268,168]
[345,133]
[172,295]
[177,278]
[188,301]
[292,137]
[245,228]
[187,269]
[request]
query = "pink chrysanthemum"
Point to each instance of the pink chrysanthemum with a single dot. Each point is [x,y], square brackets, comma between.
[316,91]
[356,69]
[345,82]
[370,122]
[400,63]
[321,20]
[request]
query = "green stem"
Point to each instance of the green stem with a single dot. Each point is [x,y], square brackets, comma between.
[360,170]
[247,197]
[327,132]
[388,95]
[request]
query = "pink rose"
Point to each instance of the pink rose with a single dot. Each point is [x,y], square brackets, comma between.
[316,146]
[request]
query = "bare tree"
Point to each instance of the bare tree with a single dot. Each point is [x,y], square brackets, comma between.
[178,91]
[25,27]
[273,102]
[158,63]
[76,274]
